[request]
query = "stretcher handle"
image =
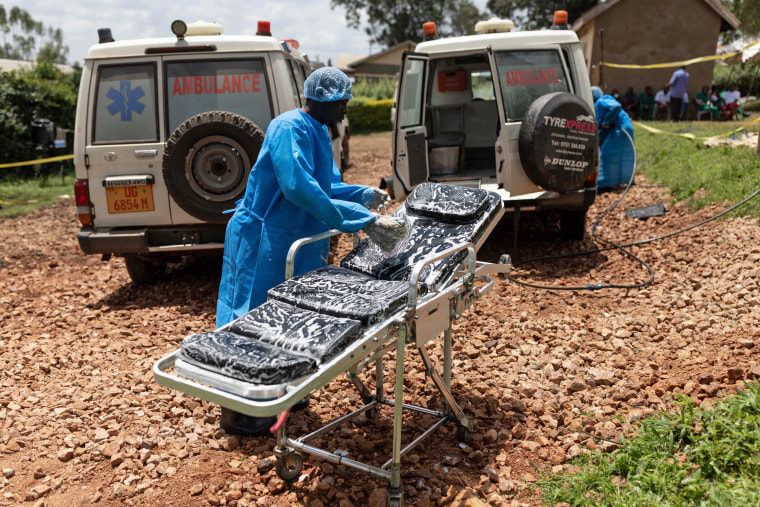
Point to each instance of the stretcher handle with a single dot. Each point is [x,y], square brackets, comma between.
[418,267]
[291,258]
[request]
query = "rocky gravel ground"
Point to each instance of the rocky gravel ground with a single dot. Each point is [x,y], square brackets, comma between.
[548,374]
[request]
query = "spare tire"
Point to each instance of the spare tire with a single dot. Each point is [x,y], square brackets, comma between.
[558,143]
[207,161]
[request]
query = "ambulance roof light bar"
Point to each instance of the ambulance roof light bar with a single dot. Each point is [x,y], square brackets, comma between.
[264,28]
[429,31]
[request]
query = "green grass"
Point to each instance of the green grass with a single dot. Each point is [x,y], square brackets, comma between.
[692,456]
[19,196]
[695,173]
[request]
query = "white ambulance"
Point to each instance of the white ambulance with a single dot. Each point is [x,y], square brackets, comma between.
[503,110]
[167,130]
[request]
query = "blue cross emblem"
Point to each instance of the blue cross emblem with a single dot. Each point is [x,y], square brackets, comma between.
[126,100]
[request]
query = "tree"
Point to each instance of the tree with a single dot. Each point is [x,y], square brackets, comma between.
[463,14]
[746,11]
[391,22]
[536,14]
[43,91]
[20,34]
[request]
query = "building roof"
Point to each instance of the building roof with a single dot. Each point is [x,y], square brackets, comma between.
[344,61]
[10,65]
[728,20]
[406,43]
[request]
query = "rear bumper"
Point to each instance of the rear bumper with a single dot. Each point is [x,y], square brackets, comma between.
[579,200]
[206,239]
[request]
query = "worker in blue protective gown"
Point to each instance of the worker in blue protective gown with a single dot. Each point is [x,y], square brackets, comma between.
[294,190]
[616,149]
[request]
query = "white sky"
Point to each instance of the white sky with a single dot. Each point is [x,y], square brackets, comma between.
[321,31]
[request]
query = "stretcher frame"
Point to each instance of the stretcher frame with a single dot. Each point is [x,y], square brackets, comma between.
[424,318]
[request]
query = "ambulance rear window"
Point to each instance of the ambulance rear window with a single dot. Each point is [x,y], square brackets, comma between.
[125,104]
[524,76]
[238,86]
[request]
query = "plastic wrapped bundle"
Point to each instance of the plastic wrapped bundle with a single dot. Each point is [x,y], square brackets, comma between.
[336,291]
[244,359]
[304,332]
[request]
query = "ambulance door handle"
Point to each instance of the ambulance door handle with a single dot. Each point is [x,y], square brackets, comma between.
[145,153]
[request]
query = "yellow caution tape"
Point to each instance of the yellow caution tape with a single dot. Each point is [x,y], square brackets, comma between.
[681,63]
[38,161]
[692,136]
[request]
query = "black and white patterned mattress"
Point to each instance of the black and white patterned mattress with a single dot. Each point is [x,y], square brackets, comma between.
[272,344]
[311,318]
[437,218]
[343,293]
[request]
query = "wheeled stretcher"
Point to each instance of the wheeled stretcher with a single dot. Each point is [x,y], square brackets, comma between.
[341,319]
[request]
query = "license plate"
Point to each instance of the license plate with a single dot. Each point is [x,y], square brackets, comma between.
[130,198]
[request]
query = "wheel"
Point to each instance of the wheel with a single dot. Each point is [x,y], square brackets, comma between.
[143,271]
[207,161]
[289,467]
[572,225]
[395,496]
[344,155]
[558,142]
[463,434]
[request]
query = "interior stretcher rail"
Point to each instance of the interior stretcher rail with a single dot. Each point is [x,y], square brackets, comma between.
[433,298]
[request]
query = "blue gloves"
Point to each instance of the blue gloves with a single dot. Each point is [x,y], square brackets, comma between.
[374,198]
[386,231]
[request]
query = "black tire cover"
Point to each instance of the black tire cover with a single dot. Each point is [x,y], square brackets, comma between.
[207,161]
[558,143]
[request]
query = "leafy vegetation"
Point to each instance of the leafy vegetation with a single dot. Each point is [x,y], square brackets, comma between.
[691,456]
[41,92]
[745,75]
[746,12]
[374,89]
[21,195]
[391,22]
[537,14]
[698,174]
[369,115]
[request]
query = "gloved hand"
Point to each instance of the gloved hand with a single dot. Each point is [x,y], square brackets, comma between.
[374,198]
[386,231]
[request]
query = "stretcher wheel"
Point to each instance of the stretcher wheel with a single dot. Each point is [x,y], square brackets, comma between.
[289,467]
[463,434]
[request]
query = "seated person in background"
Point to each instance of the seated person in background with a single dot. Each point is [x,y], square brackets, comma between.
[615,94]
[705,103]
[715,96]
[662,101]
[646,104]
[628,101]
[733,103]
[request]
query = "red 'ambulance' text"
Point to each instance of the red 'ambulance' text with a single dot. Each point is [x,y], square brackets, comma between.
[198,85]
[531,77]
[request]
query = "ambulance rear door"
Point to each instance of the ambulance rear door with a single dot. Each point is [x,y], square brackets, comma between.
[410,159]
